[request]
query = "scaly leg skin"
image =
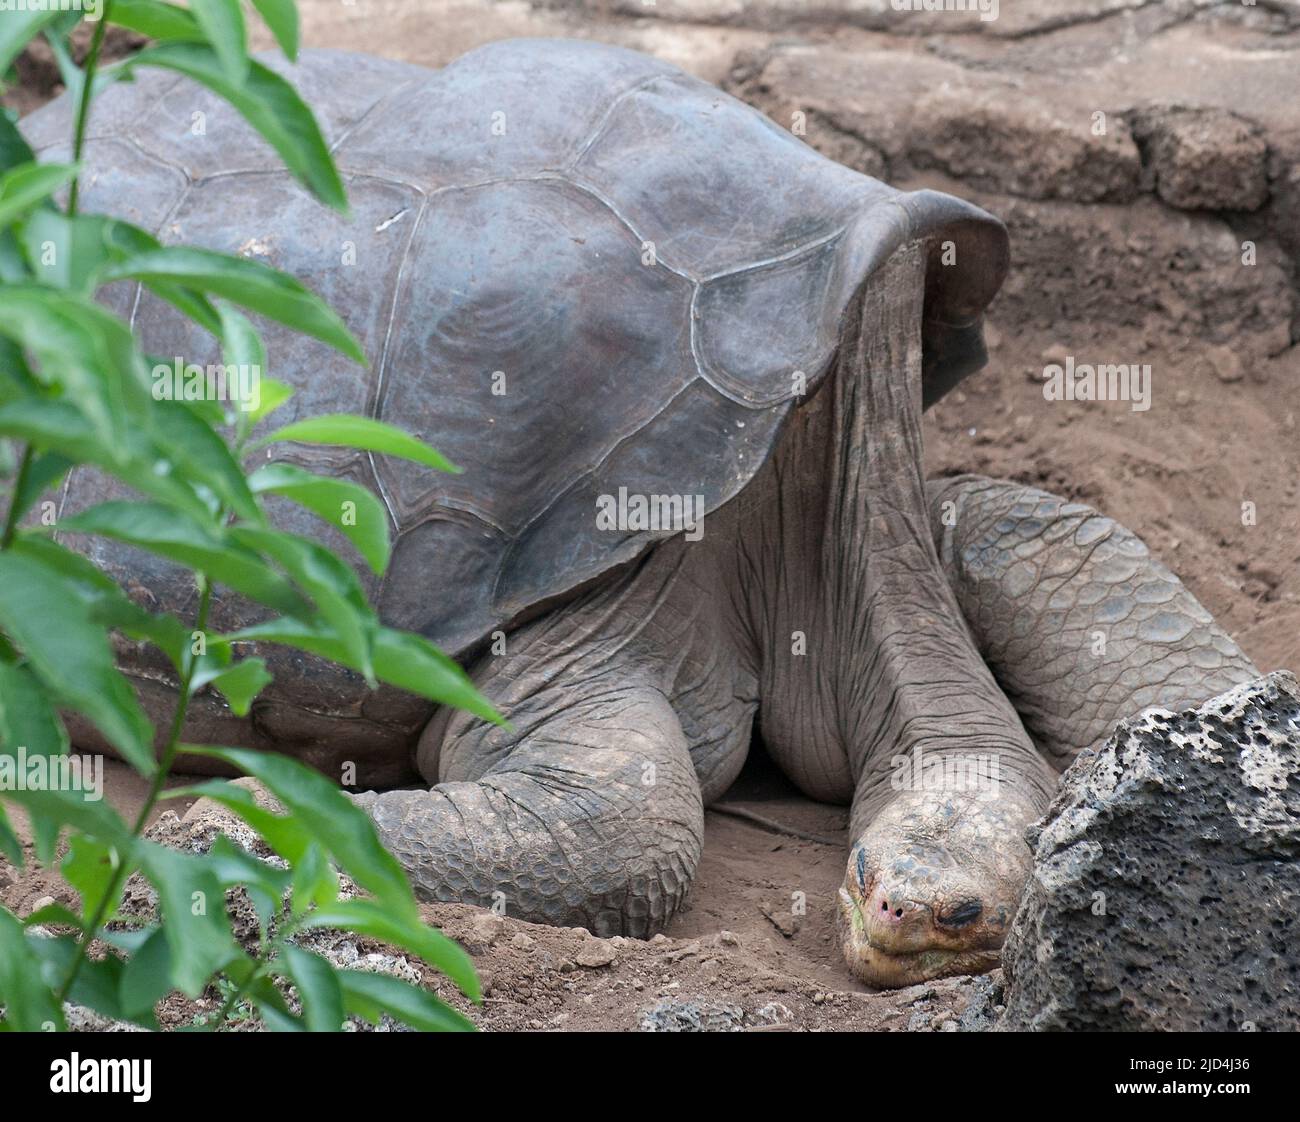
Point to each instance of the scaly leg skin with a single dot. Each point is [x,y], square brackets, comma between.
[1080,625]
[587,814]
[628,711]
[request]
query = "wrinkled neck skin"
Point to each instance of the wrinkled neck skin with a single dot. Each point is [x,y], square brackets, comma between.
[871,689]
[858,643]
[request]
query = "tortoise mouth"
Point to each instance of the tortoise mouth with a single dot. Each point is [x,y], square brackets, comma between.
[885,969]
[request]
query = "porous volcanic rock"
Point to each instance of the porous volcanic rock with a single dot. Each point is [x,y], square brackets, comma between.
[1166,884]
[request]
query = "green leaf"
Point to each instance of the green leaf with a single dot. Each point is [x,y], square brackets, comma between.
[69,808]
[26,715]
[178,538]
[269,104]
[318,988]
[361,432]
[13,266]
[10,845]
[69,72]
[242,348]
[314,880]
[261,991]
[281,16]
[108,604]
[193,914]
[348,506]
[401,659]
[29,1005]
[91,868]
[19,27]
[367,918]
[83,349]
[44,473]
[371,995]
[16,378]
[58,427]
[129,940]
[274,394]
[14,150]
[47,829]
[69,17]
[223,24]
[65,252]
[97,982]
[126,240]
[205,458]
[331,818]
[53,915]
[25,186]
[276,1020]
[239,684]
[147,978]
[412,663]
[283,833]
[70,653]
[157,20]
[250,284]
[330,583]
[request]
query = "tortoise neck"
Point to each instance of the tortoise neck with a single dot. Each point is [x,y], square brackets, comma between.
[887,666]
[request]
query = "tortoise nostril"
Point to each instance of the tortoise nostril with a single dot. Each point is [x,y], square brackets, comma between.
[967,912]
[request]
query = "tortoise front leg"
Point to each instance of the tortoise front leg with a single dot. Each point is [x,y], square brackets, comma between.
[587,813]
[1080,625]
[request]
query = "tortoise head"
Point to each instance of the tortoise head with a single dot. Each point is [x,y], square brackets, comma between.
[932,885]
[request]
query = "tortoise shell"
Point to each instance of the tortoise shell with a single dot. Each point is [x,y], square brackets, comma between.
[574,268]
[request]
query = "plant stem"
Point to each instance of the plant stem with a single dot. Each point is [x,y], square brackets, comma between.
[178,718]
[91,930]
[20,480]
[83,106]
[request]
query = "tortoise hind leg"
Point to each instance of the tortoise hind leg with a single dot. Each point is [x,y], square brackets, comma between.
[1080,625]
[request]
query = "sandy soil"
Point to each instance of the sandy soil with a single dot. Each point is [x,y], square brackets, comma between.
[757,932]
[754,948]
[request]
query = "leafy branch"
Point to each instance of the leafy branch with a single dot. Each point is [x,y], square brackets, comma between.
[75,392]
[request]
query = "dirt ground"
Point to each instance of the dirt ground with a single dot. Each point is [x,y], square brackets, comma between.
[1111,264]
[753,949]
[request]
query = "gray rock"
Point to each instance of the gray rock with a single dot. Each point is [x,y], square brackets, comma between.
[677,1015]
[1166,882]
[986,1004]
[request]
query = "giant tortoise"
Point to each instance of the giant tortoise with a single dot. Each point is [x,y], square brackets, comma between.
[682,359]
